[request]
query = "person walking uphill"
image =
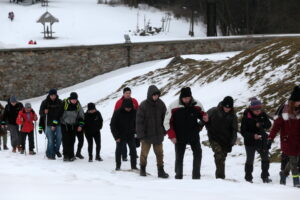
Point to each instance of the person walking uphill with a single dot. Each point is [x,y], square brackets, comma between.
[126,95]
[255,123]
[222,130]
[187,120]
[123,129]
[51,112]
[150,129]
[10,115]
[3,129]
[25,120]
[72,122]
[287,122]
[93,123]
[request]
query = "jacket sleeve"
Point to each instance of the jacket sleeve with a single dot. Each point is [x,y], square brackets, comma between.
[163,118]
[19,119]
[140,122]
[171,132]
[208,125]
[267,123]
[80,117]
[5,114]
[42,108]
[113,126]
[276,128]
[234,130]
[244,130]
[100,121]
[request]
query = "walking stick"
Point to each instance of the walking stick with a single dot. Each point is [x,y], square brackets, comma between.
[36,142]
[46,119]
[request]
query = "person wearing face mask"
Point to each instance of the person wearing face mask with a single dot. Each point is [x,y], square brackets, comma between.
[10,115]
[255,123]
[186,122]
[287,123]
[150,129]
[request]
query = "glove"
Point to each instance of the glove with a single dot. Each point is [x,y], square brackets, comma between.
[40,129]
[269,144]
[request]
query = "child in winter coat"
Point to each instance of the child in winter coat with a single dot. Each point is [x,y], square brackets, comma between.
[93,123]
[25,120]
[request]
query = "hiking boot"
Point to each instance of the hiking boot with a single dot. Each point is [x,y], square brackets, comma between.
[58,154]
[78,155]
[267,180]
[282,178]
[98,158]
[143,171]
[161,173]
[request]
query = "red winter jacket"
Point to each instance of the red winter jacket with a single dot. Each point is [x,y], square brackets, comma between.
[289,134]
[25,122]
[120,101]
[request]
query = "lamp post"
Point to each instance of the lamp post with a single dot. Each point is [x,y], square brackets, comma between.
[128,46]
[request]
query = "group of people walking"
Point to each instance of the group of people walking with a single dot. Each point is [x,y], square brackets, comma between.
[135,125]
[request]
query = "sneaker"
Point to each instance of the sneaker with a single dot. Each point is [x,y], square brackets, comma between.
[58,154]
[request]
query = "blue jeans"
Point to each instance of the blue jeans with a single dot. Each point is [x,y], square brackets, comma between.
[54,141]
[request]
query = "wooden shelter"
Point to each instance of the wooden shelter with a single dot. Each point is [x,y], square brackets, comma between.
[47,20]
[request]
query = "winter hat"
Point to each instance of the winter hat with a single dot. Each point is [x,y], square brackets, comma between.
[185,92]
[53,92]
[27,105]
[126,89]
[73,95]
[127,103]
[295,96]
[13,99]
[227,102]
[255,104]
[91,106]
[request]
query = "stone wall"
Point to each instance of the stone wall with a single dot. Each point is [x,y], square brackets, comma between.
[32,72]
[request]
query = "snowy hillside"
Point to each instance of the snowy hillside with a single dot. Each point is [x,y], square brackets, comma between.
[84,23]
[35,178]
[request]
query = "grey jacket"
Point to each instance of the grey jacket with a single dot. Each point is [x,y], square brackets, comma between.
[73,114]
[150,119]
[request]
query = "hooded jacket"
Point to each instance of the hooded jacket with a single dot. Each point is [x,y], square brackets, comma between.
[93,123]
[150,118]
[55,111]
[26,119]
[11,112]
[222,127]
[73,114]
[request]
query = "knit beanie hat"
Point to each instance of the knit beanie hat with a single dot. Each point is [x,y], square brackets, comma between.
[185,92]
[53,92]
[73,95]
[13,99]
[295,96]
[255,104]
[91,106]
[227,102]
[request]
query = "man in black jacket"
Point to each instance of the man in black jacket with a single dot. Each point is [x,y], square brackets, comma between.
[11,112]
[93,123]
[255,122]
[51,112]
[222,132]
[123,129]
[187,120]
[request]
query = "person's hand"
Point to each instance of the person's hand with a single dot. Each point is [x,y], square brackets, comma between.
[46,111]
[79,129]
[257,137]
[173,140]
[118,140]
[205,118]
[53,128]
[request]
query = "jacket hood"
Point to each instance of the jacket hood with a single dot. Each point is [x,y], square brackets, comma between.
[152,90]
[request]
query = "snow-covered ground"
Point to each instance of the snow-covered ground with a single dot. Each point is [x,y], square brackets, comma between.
[36,178]
[84,23]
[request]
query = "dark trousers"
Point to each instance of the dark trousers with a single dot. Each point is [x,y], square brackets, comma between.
[292,166]
[124,151]
[80,138]
[197,154]
[30,140]
[68,140]
[265,162]
[285,161]
[97,138]
[132,149]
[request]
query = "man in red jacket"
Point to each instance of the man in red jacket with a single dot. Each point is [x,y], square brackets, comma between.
[25,120]
[126,95]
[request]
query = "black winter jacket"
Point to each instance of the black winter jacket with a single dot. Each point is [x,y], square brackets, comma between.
[11,113]
[55,111]
[249,128]
[93,123]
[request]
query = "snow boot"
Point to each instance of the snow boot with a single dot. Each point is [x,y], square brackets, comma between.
[296,181]
[143,171]
[266,180]
[282,178]
[161,172]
